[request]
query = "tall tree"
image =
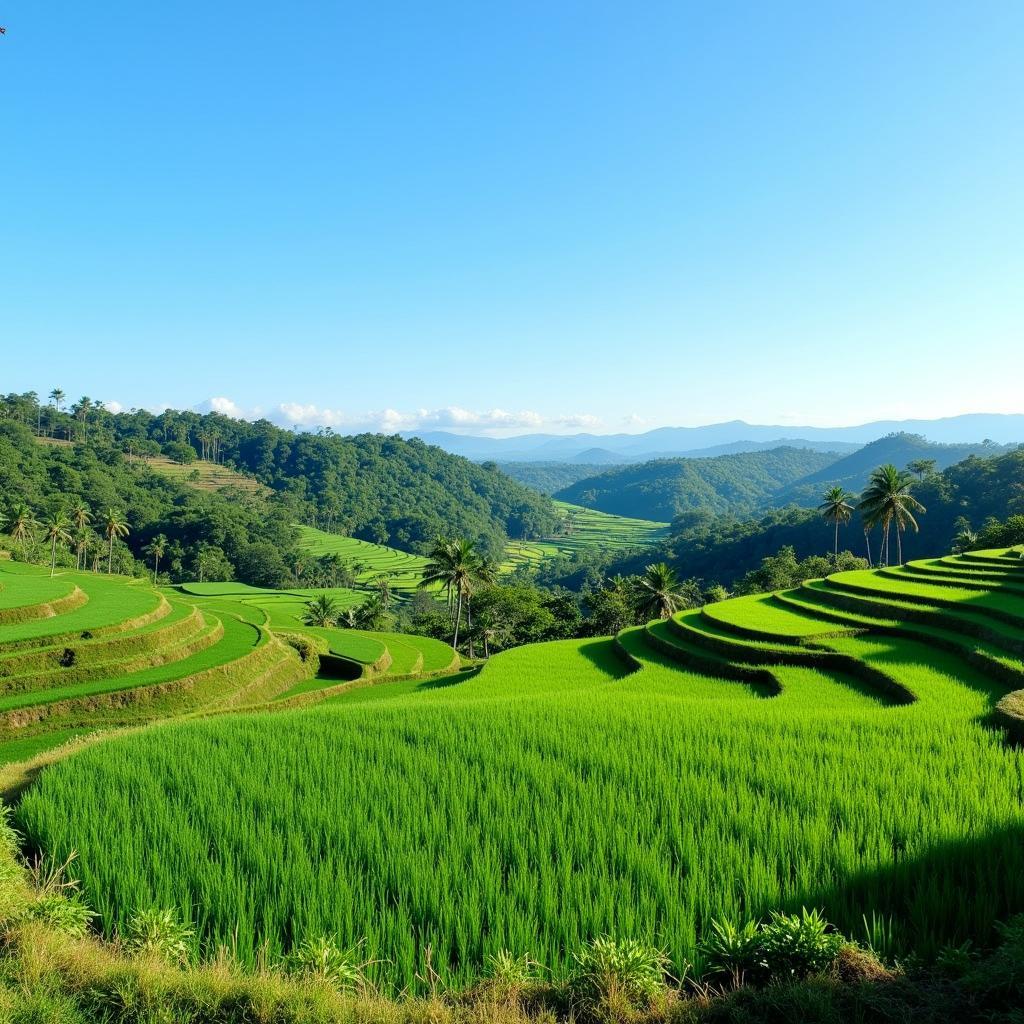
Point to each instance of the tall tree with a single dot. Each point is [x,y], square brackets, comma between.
[57,528]
[887,501]
[659,591]
[454,564]
[836,508]
[922,467]
[81,516]
[157,548]
[114,526]
[22,525]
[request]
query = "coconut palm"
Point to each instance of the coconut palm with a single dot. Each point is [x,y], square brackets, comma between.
[57,396]
[57,529]
[81,411]
[836,508]
[321,611]
[114,526]
[382,584]
[658,591]
[157,548]
[22,524]
[81,517]
[454,564]
[886,501]
[485,574]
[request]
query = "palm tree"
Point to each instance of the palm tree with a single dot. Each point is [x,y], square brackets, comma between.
[22,524]
[81,412]
[82,540]
[658,591]
[81,517]
[57,530]
[965,540]
[57,396]
[321,611]
[887,500]
[454,564]
[157,548]
[382,584]
[485,574]
[114,525]
[836,508]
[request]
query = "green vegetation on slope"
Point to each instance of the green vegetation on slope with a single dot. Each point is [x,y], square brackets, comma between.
[665,488]
[511,810]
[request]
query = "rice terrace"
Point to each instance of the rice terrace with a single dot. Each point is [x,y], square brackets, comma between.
[512,515]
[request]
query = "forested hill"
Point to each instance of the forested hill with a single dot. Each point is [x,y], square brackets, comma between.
[978,493]
[904,450]
[378,488]
[663,489]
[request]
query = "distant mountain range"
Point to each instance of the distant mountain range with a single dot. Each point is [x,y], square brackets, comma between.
[714,439]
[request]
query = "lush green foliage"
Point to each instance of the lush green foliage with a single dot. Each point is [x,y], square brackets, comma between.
[400,817]
[665,488]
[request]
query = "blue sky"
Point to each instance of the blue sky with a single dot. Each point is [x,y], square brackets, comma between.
[516,216]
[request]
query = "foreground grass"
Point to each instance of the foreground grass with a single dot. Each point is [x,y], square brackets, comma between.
[551,798]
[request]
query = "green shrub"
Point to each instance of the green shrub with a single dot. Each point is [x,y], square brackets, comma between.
[734,951]
[159,931]
[609,970]
[323,959]
[65,912]
[508,970]
[796,945]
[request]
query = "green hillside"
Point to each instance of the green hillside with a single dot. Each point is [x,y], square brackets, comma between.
[663,489]
[585,529]
[841,745]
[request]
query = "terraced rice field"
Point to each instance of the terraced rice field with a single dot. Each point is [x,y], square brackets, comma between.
[404,570]
[586,529]
[82,651]
[837,745]
[283,611]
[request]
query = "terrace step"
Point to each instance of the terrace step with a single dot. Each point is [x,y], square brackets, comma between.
[194,634]
[659,636]
[841,581]
[179,623]
[993,660]
[74,597]
[815,655]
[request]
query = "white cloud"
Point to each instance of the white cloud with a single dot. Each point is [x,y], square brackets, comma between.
[307,416]
[114,407]
[224,406]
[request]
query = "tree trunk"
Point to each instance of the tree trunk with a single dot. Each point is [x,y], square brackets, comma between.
[867,544]
[458,620]
[835,551]
[469,622]
[899,543]
[53,554]
[110,557]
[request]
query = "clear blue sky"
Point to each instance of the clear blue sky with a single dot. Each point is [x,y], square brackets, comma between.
[643,213]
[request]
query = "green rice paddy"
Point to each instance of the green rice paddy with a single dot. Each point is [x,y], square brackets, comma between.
[832,746]
[584,529]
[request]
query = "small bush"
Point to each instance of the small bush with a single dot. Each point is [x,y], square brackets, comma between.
[323,959]
[796,945]
[734,951]
[159,932]
[610,971]
[511,971]
[65,912]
